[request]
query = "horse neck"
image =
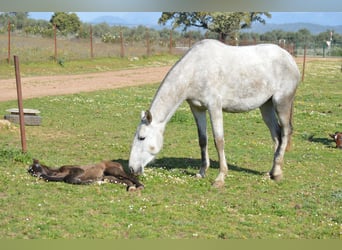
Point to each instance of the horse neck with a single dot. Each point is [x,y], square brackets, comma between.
[168,98]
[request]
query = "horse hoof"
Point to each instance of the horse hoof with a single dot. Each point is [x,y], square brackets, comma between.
[276,177]
[131,189]
[199,176]
[218,184]
[140,187]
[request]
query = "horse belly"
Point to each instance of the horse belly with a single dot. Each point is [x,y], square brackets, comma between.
[245,97]
[92,173]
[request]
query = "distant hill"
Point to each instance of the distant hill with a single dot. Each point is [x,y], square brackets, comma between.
[140,18]
[110,20]
[293,27]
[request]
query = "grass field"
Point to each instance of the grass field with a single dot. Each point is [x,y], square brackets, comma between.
[89,127]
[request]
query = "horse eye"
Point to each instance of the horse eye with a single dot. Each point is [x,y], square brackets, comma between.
[141,138]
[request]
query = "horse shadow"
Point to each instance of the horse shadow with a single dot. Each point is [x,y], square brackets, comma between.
[325,141]
[184,164]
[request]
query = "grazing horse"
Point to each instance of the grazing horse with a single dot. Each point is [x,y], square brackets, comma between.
[216,77]
[337,138]
[86,174]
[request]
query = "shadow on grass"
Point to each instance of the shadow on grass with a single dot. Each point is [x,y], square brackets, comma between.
[185,163]
[325,141]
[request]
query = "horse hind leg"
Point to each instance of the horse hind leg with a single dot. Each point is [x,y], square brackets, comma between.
[281,132]
[201,123]
[269,116]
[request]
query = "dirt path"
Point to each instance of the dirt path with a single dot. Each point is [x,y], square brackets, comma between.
[70,84]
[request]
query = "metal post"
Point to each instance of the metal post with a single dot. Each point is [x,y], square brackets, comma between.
[20,105]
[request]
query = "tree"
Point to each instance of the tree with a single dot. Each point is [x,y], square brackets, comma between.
[65,22]
[226,24]
[17,19]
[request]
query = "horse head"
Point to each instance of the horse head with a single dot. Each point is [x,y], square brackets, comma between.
[147,143]
[337,138]
[35,169]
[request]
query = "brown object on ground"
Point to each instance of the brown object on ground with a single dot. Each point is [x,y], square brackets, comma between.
[70,84]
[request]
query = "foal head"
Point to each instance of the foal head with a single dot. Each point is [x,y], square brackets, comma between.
[338,139]
[36,169]
[147,143]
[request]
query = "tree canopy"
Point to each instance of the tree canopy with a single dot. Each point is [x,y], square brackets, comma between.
[227,24]
[66,22]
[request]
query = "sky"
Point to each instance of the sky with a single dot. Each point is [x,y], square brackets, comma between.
[323,18]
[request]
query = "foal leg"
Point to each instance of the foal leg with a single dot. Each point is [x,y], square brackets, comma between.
[112,179]
[216,118]
[115,170]
[201,122]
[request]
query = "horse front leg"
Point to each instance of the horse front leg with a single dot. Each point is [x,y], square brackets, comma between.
[201,122]
[216,118]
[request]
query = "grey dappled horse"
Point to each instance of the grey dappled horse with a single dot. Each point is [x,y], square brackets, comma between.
[216,77]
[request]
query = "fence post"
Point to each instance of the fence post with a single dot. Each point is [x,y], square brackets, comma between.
[170,51]
[9,42]
[148,42]
[190,35]
[91,42]
[304,60]
[55,38]
[122,49]
[20,105]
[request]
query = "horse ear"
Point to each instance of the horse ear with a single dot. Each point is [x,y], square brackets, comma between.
[148,116]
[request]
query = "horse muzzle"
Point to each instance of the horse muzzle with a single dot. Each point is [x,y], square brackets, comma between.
[136,171]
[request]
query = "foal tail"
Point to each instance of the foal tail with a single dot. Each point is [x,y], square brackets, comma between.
[289,140]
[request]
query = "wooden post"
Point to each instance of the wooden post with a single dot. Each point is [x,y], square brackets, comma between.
[190,35]
[9,42]
[170,42]
[122,49]
[148,42]
[304,60]
[55,37]
[20,105]
[91,42]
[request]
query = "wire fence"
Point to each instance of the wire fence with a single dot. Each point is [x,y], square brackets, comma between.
[39,49]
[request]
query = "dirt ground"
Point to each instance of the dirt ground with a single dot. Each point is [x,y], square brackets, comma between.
[70,84]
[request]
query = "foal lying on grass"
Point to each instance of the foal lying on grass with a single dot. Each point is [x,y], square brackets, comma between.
[110,171]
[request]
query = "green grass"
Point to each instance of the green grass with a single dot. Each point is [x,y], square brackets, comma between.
[90,127]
